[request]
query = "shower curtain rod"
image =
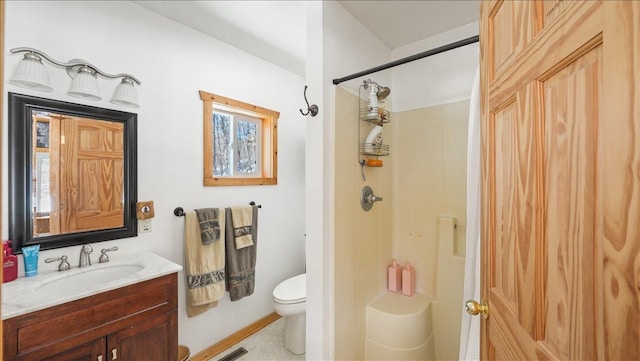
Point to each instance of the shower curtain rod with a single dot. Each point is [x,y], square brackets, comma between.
[424,54]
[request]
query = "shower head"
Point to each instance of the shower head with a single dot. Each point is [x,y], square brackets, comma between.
[383,92]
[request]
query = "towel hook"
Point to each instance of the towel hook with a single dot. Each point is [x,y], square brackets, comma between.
[311,109]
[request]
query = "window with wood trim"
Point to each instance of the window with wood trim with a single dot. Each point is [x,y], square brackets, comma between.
[240,142]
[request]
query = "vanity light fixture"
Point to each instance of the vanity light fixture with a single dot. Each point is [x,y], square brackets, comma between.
[30,73]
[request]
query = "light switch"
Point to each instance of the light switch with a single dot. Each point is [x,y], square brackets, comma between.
[144,225]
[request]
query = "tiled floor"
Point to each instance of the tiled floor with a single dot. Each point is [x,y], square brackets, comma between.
[264,345]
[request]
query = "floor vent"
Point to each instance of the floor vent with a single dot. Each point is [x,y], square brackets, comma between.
[234,355]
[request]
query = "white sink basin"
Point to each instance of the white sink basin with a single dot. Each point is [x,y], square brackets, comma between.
[50,287]
[88,278]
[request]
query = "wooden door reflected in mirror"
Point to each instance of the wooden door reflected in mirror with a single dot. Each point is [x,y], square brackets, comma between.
[78,169]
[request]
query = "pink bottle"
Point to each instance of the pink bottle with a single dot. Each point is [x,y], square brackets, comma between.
[395,277]
[408,280]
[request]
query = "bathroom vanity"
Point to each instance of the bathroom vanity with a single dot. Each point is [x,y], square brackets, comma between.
[67,316]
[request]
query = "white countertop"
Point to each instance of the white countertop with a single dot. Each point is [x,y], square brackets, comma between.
[23,295]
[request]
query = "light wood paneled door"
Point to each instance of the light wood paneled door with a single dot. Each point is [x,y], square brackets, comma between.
[87,182]
[560,107]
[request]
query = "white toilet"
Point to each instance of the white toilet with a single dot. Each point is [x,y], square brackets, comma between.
[290,302]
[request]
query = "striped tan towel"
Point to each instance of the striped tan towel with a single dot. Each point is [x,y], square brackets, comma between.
[242,218]
[204,266]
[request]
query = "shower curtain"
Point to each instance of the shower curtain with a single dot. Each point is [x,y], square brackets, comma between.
[470,329]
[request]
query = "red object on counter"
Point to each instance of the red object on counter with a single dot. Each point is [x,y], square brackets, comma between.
[9,263]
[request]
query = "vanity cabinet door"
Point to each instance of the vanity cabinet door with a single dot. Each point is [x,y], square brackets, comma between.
[91,351]
[150,340]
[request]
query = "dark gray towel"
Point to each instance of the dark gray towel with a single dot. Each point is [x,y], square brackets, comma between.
[240,263]
[209,225]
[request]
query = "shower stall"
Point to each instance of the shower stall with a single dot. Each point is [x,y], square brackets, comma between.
[420,219]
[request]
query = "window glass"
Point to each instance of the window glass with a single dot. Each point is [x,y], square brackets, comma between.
[240,142]
[43,198]
[247,147]
[223,147]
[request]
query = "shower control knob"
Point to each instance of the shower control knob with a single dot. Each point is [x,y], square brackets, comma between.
[474,308]
[367,198]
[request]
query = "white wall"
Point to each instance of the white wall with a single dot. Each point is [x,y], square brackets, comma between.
[174,62]
[439,79]
[337,45]
[349,47]
[319,298]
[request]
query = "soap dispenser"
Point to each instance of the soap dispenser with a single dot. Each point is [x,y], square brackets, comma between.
[408,280]
[395,277]
[9,263]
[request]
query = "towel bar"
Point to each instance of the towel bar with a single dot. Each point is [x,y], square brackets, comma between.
[179,211]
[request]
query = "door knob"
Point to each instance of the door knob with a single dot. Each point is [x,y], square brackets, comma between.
[474,308]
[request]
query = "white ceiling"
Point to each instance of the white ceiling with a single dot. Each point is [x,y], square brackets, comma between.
[400,22]
[276,30]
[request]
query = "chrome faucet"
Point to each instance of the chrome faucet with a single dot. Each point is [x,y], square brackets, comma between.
[85,260]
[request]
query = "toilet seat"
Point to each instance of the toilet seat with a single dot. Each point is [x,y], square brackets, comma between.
[292,290]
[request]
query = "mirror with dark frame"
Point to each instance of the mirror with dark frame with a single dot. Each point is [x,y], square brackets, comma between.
[72,173]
